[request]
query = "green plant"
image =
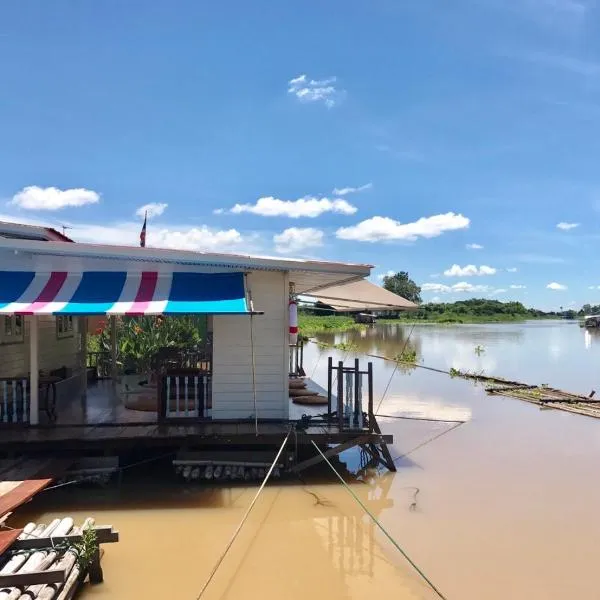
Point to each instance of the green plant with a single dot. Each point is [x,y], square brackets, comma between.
[87,548]
[140,338]
[408,355]
[346,346]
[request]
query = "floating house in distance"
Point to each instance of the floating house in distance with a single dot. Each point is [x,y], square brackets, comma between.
[234,389]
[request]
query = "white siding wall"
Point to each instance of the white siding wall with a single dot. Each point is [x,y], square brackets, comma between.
[232,356]
[54,353]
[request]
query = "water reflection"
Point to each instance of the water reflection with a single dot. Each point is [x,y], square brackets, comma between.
[555,352]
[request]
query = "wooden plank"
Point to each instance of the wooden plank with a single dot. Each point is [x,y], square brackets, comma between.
[329,453]
[105,534]
[7,538]
[32,578]
[24,492]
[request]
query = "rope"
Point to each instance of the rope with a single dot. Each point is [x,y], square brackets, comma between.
[435,437]
[239,527]
[374,519]
[253,373]
[420,419]
[387,387]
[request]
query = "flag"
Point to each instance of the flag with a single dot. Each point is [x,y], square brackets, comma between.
[143,232]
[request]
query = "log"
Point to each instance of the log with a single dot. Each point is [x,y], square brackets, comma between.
[316,400]
[17,561]
[297,383]
[33,588]
[301,392]
[67,563]
[35,577]
[105,534]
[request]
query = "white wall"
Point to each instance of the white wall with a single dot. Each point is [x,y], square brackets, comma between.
[232,356]
[54,353]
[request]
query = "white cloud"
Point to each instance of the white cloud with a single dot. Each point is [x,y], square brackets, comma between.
[351,190]
[154,209]
[169,236]
[435,300]
[315,90]
[517,287]
[295,239]
[308,206]
[556,286]
[498,291]
[380,229]
[382,276]
[594,287]
[474,247]
[462,286]
[469,270]
[566,226]
[512,270]
[51,198]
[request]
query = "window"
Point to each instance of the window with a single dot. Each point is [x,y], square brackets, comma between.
[64,327]
[12,330]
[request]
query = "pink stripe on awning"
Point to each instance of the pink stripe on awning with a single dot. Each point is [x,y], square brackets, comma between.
[145,293]
[48,294]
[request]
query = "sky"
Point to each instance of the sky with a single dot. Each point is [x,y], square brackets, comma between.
[458,141]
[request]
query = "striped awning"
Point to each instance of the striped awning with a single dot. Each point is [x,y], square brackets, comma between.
[110,292]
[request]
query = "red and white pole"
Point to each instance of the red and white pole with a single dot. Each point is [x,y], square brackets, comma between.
[293,322]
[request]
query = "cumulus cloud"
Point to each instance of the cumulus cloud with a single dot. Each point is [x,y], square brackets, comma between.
[154,209]
[201,238]
[382,229]
[296,239]
[511,270]
[517,287]
[382,276]
[469,270]
[566,226]
[556,286]
[34,197]
[474,247]
[462,286]
[315,90]
[303,207]
[351,190]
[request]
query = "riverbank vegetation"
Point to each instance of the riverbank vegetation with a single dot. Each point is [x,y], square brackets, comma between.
[312,324]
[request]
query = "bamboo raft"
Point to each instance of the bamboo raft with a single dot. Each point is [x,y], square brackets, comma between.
[50,562]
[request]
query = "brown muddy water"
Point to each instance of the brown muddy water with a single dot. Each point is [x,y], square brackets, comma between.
[507,504]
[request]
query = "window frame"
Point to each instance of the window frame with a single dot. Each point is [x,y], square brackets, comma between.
[16,328]
[65,327]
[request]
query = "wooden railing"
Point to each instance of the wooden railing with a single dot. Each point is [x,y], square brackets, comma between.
[351,384]
[185,394]
[14,400]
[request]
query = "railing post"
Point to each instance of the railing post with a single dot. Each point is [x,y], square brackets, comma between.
[370,386]
[356,390]
[340,395]
[329,383]
[34,372]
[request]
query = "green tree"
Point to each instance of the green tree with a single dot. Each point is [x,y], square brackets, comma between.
[403,285]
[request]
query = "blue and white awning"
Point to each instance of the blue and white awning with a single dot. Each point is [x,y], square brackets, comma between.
[117,292]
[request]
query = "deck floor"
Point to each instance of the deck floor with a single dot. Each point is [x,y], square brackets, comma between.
[101,422]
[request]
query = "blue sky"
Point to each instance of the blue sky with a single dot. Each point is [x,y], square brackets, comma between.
[398,133]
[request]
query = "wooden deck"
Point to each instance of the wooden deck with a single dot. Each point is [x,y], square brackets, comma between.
[101,424]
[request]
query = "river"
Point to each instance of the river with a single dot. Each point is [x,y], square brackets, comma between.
[502,507]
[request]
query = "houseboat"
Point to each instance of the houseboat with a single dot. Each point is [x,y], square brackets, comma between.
[591,321]
[231,392]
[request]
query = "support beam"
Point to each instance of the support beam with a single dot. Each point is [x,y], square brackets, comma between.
[331,452]
[34,370]
[113,349]
[83,336]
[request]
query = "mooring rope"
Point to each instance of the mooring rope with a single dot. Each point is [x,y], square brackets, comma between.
[387,387]
[239,527]
[376,521]
[435,437]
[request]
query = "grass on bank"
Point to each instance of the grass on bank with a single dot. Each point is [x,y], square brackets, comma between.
[313,324]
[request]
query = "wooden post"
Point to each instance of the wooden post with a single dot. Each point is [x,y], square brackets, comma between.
[95,569]
[340,395]
[83,336]
[329,383]
[370,386]
[356,390]
[113,349]
[34,370]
